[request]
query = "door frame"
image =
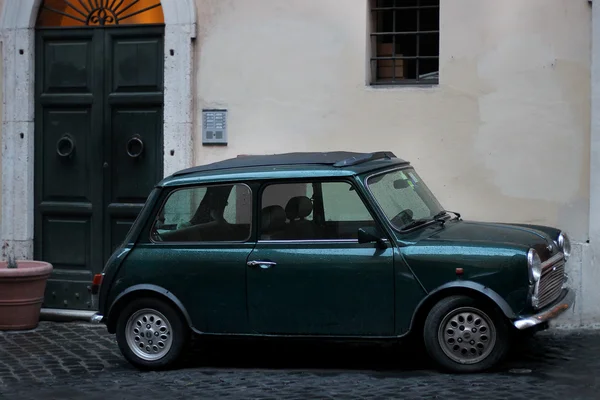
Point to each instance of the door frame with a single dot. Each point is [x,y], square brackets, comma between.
[17,36]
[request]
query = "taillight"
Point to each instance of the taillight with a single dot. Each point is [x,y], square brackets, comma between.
[96,282]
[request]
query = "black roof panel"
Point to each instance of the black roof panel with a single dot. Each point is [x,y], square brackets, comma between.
[334,159]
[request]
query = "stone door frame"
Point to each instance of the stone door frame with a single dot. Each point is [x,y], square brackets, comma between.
[17,36]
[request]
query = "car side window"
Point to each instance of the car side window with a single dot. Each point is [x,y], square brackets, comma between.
[219,213]
[312,211]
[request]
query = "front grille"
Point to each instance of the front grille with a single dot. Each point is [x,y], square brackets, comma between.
[551,281]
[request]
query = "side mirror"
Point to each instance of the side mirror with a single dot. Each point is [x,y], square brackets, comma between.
[370,235]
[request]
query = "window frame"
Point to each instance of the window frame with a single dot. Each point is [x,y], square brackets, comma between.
[375,58]
[160,204]
[352,181]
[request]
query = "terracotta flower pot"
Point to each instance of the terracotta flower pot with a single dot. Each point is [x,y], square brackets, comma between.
[22,293]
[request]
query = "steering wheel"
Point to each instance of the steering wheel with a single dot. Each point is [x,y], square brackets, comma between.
[403,217]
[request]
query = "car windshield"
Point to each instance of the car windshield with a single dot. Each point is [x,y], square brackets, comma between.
[404,197]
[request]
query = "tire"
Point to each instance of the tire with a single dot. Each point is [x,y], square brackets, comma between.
[165,339]
[469,349]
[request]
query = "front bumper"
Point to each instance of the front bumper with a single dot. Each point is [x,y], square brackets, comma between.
[566,301]
[97,318]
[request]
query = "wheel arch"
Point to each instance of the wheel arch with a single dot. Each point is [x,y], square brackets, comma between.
[145,290]
[467,288]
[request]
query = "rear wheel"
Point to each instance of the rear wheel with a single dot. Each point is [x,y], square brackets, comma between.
[464,335]
[151,334]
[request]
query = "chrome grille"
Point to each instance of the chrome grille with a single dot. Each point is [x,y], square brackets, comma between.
[551,281]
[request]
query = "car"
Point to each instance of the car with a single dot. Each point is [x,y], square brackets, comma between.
[325,245]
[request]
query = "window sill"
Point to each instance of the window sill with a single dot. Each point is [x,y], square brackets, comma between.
[403,87]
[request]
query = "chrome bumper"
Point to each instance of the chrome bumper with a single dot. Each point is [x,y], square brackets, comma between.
[553,311]
[96,318]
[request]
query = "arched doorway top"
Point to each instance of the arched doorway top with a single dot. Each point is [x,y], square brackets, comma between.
[81,13]
[23,14]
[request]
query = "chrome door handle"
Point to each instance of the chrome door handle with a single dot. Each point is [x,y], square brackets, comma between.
[262,264]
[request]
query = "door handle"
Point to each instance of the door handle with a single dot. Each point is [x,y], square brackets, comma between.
[262,264]
[135,146]
[65,146]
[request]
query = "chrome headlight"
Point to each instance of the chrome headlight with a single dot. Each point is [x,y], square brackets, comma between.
[535,265]
[564,244]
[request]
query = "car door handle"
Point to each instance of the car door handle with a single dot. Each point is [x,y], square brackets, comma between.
[262,264]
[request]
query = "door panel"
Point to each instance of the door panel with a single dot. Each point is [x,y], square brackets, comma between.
[136,131]
[137,62]
[214,288]
[197,248]
[322,288]
[68,242]
[88,191]
[68,174]
[66,210]
[134,123]
[69,247]
[323,282]
[67,67]
[66,177]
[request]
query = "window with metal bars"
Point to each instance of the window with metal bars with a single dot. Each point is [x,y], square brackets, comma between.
[405,37]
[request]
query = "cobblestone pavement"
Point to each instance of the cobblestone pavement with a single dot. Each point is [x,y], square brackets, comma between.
[81,361]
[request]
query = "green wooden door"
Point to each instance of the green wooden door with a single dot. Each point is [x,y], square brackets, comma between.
[98,147]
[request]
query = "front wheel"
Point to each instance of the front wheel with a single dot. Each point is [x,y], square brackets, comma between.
[462,335]
[151,334]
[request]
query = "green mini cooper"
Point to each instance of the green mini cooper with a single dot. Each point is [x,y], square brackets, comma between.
[325,245]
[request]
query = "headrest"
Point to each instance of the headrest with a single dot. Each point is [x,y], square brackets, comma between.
[298,207]
[272,218]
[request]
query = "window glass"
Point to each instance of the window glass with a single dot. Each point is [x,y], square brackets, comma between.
[205,214]
[312,211]
[342,203]
[403,196]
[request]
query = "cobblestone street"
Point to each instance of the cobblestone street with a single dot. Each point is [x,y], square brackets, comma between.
[81,361]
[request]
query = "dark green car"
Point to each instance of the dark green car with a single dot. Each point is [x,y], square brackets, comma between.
[325,245]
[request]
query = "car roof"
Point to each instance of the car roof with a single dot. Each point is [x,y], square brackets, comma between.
[285,165]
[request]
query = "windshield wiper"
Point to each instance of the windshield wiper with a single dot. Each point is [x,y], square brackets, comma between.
[415,223]
[453,212]
[436,218]
[439,217]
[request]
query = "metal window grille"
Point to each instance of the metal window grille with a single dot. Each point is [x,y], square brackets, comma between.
[405,42]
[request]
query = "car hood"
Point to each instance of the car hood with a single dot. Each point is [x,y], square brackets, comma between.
[496,234]
[493,255]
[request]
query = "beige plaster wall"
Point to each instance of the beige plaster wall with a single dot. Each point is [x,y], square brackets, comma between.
[1,109]
[505,136]
[1,102]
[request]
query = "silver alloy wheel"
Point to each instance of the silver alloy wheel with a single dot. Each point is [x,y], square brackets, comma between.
[148,334]
[467,335]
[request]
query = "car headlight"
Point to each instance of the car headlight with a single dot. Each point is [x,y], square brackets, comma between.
[535,265]
[564,244]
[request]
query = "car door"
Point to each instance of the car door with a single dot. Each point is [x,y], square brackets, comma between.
[308,274]
[197,249]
